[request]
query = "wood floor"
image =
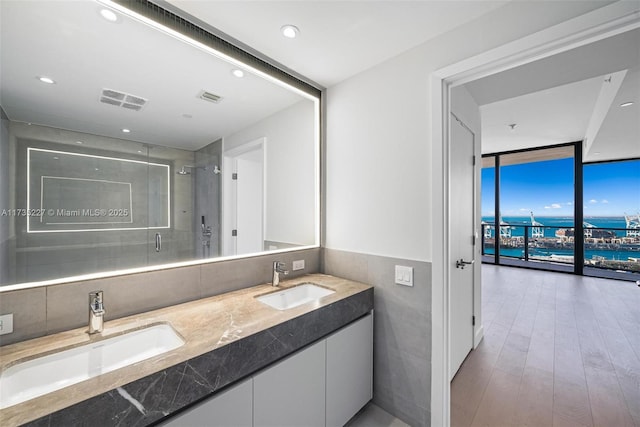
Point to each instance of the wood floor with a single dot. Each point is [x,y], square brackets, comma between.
[558,350]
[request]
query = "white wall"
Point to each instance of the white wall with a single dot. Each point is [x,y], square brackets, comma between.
[378,151]
[290,172]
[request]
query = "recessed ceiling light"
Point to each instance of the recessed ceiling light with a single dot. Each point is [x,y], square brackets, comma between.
[238,73]
[79,142]
[597,152]
[56,158]
[126,130]
[289,31]
[109,15]
[45,79]
[626,104]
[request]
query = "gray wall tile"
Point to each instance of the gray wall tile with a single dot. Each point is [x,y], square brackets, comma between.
[29,313]
[231,275]
[404,409]
[50,309]
[402,330]
[352,266]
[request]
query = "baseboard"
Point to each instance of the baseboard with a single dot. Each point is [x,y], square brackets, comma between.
[478,337]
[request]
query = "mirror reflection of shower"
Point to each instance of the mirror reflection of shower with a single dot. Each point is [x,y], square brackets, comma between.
[205,174]
[186,169]
[205,229]
[206,239]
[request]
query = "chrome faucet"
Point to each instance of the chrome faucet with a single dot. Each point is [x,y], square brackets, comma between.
[96,312]
[278,267]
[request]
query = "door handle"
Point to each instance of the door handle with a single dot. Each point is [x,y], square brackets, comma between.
[461,263]
[158,242]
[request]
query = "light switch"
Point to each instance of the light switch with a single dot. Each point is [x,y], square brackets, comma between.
[404,275]
[298,265]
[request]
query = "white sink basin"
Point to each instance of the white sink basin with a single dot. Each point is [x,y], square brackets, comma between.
[42,375]
[293,297]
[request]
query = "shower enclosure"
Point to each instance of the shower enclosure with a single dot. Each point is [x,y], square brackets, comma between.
[206,178]
[94,209]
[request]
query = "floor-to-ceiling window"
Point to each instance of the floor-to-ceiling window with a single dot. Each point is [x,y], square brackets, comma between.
[535,204]
[488,197]
[535,190]
[612,217]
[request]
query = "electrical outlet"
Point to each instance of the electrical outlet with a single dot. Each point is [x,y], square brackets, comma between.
[298,265]
[6,323]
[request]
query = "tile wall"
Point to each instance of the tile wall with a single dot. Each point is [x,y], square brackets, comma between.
[46,310]
[402,331]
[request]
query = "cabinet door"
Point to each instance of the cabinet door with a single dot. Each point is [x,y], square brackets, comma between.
[291,393]
[231,408]
[349,371]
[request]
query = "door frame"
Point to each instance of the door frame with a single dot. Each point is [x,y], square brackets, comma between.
[229,206]
[599,24]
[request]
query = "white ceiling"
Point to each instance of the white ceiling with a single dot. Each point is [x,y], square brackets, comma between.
[70,42]
[337,39]
[619,135]
[554,101]
[548,117]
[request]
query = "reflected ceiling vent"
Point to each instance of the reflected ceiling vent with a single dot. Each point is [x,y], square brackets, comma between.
[122,99]
[211,97]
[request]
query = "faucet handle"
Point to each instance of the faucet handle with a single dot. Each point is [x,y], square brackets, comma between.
[95,301]
[280,266]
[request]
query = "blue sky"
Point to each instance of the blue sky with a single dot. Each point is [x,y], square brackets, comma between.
[546,188]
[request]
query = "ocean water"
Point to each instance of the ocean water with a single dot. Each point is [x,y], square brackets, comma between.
[561,222]
[517,222]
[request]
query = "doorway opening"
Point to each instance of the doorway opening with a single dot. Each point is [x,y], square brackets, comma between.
[584,30]
[244,198]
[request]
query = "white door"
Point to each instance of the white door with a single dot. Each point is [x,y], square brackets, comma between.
[462,243]
[244,199]
[249,199]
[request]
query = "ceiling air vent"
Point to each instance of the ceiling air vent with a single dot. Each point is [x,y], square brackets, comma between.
[211,97]
[122,99]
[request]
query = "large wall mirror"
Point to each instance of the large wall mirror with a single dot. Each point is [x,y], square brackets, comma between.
[124,147]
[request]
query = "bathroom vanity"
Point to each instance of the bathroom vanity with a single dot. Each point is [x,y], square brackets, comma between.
[310,362]
[324,384]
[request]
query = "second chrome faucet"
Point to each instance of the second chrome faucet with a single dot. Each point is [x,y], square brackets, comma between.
[96,312]
[278,268]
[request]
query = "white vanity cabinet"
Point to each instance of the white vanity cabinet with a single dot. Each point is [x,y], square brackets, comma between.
[323,385]
[292,392]
[232,407]
[349,379]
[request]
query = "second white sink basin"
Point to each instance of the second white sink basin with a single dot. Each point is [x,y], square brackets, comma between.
[42,375]
[293,297]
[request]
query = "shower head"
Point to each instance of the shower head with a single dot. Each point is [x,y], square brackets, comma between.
[183,171]
[186,169]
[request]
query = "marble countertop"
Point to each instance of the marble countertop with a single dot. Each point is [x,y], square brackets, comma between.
[206,325]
